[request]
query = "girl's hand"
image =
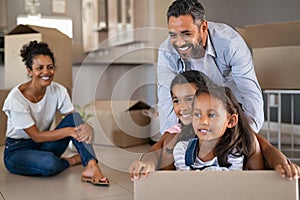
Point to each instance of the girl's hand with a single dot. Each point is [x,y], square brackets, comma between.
[140,169]
[85,132]
[289,170]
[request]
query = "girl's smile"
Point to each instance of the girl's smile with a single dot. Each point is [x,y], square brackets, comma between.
[182,96]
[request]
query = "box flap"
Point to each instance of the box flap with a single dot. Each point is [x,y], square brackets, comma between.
[271,35]
[119,105]
[23,29]
[139,105]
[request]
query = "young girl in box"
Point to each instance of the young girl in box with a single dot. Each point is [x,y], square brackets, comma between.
[160,155]
[224,139]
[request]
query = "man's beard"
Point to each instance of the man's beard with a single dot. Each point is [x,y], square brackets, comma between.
[194,51]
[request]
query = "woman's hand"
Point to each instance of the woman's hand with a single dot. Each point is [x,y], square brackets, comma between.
[85,132]
[289,170]
[140,169]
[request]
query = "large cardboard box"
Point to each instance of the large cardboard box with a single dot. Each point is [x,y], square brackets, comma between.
[212,185]
[3,118]
[276,50]
[120,123]
[14,69]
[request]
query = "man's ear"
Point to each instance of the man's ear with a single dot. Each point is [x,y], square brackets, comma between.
[233,120]
[204,32]
[204,26]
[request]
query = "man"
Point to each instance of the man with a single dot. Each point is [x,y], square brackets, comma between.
[220,52]
[212,48]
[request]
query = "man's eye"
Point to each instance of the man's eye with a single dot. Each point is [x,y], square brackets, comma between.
[186,35]
[189,99]
[172,35]
[175,101]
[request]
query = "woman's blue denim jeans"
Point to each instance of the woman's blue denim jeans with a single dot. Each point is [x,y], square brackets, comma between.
[25,157]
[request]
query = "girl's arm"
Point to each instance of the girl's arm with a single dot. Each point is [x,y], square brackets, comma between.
[275,159]
[149,161]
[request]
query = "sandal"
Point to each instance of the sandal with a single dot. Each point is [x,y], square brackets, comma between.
[95,181]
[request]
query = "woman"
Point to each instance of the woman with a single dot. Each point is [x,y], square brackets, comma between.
[33,149]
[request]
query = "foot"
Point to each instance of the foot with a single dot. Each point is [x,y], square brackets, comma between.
[92,172]
[74,160]
[96,181]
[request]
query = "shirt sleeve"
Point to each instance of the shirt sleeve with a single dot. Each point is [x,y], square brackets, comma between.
[251,95]
[64,101]
[239,62]
[179,156]
[21,120]
[17,111]
[166,66]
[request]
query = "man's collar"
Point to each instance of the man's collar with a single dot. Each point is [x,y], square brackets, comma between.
[209,47]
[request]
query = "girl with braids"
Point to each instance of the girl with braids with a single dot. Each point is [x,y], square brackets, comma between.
[31,148]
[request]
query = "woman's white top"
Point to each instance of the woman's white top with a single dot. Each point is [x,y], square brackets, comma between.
[22,113]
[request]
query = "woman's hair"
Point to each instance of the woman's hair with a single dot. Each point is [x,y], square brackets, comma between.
[237,140]
[186,7]
[32,49]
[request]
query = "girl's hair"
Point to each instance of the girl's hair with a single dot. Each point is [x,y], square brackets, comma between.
[201,81]
[237,140]
[187,7]
[32,49]
[192,76]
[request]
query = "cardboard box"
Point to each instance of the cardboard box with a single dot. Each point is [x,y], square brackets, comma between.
[212,185]
[276,50]
[120,123]
[3,118]
[14,69]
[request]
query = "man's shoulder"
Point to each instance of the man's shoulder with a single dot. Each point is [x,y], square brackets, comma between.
[223,35]
[167,50]
[217,26]
[166,44]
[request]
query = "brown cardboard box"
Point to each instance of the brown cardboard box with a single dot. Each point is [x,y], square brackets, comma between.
[276,50]
[212,185]
[3,118]
[120,123]
[61,45]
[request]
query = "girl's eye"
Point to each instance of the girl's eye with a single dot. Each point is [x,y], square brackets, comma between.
[212,115]
[196,114]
